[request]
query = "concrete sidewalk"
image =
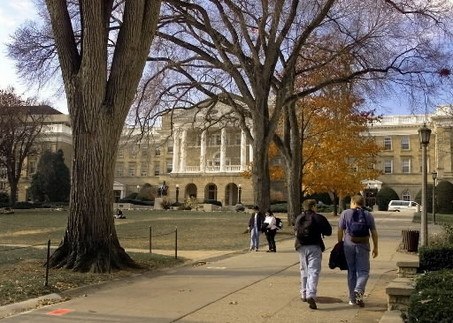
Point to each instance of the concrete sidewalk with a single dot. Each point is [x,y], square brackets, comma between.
[244,287]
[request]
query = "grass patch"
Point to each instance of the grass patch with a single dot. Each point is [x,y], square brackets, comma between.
[24,236]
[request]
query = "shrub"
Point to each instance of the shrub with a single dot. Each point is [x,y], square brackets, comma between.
[433,298]
[24,205]
[320,197]
[4,198]
[444,192]
[384,196]
[436,258]
[136,202]
[279,207]
[442,279]
[431,305]
[443,238]
[429,198]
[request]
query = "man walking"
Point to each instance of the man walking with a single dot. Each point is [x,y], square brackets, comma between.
[355,226]
[310,227]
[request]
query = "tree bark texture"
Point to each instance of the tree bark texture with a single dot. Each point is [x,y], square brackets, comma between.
[100,85]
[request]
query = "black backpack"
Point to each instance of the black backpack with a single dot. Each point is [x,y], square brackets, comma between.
[279,223]
[306,231]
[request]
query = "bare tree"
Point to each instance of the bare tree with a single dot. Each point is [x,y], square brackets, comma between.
[247,54]
[102,48]
[20,126]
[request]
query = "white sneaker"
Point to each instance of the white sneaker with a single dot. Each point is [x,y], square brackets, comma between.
[351,303]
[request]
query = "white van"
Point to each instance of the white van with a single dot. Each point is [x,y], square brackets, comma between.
[400,205]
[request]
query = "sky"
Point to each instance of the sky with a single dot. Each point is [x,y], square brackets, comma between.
[14,13]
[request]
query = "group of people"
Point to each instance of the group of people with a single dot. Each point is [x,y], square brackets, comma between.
[259,223]
[310,227]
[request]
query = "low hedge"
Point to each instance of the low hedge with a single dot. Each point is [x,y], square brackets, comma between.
[433,298]
[436,258]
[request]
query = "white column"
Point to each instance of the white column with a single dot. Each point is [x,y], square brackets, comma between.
[176,148]
[223,150]
[243,151]
[251,153]
[183,160]
[203,152]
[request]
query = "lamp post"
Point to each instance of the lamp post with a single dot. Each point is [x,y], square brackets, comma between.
[434,175]
[239,193]
[177,193]
[138,188]
[424,134]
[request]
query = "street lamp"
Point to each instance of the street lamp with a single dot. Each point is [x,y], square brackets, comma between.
[434,175]
[138,188]
[424,134]
[239,193]
[177,193]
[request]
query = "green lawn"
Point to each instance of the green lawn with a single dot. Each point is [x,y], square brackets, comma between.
[24,236]
[195,230]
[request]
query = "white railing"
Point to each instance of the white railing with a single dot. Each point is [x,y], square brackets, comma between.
[211,169]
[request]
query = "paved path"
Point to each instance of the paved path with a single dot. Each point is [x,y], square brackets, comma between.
[243,287]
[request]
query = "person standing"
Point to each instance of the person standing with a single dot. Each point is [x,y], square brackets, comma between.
[271,230]
[310,227]
[357,247]
[255,224]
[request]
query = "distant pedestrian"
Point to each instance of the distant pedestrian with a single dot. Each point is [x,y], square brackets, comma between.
[354,228]
[310,227]
[271,230]
[255,225]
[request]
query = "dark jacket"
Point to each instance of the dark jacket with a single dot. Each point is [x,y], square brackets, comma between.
[322,226]
[337,257]
[260,220]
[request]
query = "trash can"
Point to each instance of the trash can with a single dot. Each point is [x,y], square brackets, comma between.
[410,240]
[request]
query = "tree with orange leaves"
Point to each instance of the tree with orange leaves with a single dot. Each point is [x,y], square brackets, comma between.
[338,152]
[322,137]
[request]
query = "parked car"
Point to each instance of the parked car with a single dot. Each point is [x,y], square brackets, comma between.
[401,205]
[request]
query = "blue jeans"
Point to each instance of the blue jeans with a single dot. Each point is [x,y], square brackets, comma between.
[358,259]
[310,257]
[255,238]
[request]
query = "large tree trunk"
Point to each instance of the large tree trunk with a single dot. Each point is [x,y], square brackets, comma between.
[100,90]
[90,242]
[13,193]
[260,168]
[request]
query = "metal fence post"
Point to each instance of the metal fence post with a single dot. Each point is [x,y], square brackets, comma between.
[46,284]
[150,239]
[176,242]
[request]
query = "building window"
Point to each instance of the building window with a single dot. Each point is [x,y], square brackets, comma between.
[133,150]
[32,167]
[145,152]
[388,166]
[119,170]
[406,196]
[405,143]
[406,166]
[170,146]
[157,151]
[131,171]
[237,138]
[215,140]
[387,143]
[120,152]
[169,166]
[156,170]
[144,169]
